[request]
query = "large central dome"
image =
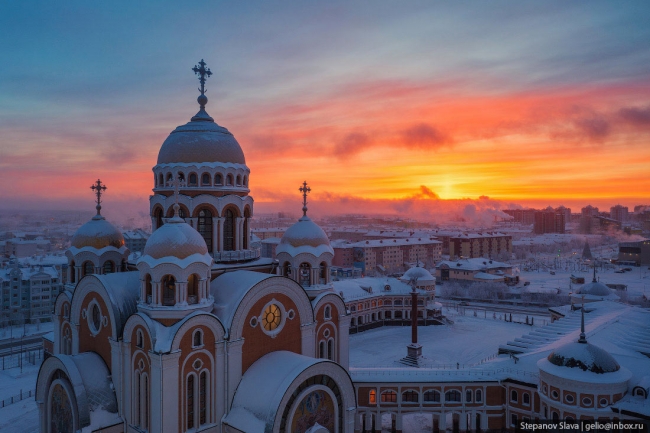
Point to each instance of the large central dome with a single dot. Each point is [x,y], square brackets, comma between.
[201,141]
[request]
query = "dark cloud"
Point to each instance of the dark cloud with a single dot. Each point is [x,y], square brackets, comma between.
[636,116]
[594,128]
[425,136]
[352,144]
[426,192]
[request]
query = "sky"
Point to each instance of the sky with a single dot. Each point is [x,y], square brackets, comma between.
[413,107]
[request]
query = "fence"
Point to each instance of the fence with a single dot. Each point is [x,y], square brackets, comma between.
[19,359]
[17,398]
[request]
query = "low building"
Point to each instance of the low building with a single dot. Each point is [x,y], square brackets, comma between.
[135,240]
[475,270]
[637,252]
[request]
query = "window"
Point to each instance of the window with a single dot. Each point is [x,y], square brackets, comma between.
[304,274]
[555,416]
[147,288]
[139,339]
[569,398]
[468,396]
[205,179]
[203,398]
[88,268]
[193,289]
[109,267]
[410,396]
[603,402]
[218,179]
[271,317]
[432,396]
[372,396]
[229,231]
[586,401]
[328,312]
[389,397]
[554,394]
[169,290]
[204,226]
[330,349]
[513,419]
[190,401]
[238,180]
[321,349]
[479,395]
[513,396]
[452,396]
[245,180]
[96,318]
[198,338]
[229,180]
[526,398]
[193,179]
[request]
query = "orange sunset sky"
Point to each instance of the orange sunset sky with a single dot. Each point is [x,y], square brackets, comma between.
[415,108]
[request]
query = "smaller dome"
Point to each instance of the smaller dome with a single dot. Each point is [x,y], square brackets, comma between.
[424,277]
[584,356]
[305,233]
[595,289]
[175,239]
[97,233]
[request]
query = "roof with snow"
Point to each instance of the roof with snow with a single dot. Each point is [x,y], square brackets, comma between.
[369,287]
[424,277]
[123,289]
[305,236]
[97,233]
[476,264]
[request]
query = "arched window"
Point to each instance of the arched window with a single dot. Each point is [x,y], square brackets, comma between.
[468,396]
[452,396]
[323,273]
[145,391]
[330,349]
[139,339]
[88,268]
[204,226]
[161,180]
[526,397]
[245,180]
[169,290]
[190,402]
[372,396]
[238,180]
[328,312]
[181,177]
[148,289]
[321,349]
[193,289]
[158,215]
[203,406]
[479,395]
[286,269]
[109,267]
[389,397]
[229,231]
[304,274]
[193,179]
[205,179]
[66,311]
[218,179]
[410,396]
[73,273]
[245,234]
[170,179]
[514,396]
[198,338]
[432,396]
[229,180]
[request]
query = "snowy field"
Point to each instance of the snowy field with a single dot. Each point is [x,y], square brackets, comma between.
[14,332]
[467,342]
[20,417]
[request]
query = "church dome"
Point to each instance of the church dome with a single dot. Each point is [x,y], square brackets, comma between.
[423,276]
[595,289]
[201,141]
[305,233]
[97,233]
[175,239]
[584,356]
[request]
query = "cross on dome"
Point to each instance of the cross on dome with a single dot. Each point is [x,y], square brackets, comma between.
[98,188]
[304,189]
[202,72]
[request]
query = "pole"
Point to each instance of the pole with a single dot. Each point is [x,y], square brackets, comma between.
[414,317]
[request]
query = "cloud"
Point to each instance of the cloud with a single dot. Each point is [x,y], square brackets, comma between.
[636,116]
[352,144]
[426,192]
[424,136]
[594,128]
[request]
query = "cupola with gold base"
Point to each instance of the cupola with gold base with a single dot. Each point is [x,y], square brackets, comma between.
[211,168]
[97,247]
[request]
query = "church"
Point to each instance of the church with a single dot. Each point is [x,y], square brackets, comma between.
[199,333]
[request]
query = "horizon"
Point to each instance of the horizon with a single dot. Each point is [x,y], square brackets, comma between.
[432,110]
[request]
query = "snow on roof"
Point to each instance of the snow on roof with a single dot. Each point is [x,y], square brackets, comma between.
[406,374]
[368,287]
[386,242]
[476,264]
[486,276]
[123,289]
[423,276]
[286,367]
[229,289]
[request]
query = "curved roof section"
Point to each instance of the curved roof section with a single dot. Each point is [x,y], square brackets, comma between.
[201,141]
[423,276]
[263,406]
[584,356]
[123,289]
[175,239]
[97,233]
[595,289]
[229,289]
[304,236]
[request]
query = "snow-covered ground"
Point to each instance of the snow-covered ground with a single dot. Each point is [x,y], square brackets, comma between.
[468,341]
[30,329]
[22,416]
